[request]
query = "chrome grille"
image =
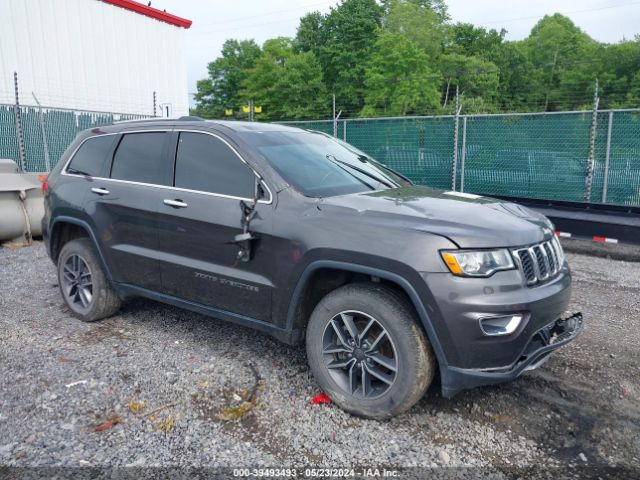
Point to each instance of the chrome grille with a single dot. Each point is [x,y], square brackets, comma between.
[540,262]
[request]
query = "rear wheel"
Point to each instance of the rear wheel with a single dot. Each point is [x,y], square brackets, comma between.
[367,351]
[83,284]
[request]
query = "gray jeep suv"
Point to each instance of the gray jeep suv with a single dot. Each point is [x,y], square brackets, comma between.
[308,239]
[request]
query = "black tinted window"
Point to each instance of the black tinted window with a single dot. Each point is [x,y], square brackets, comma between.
[207,164]
[139,158]
[89,159]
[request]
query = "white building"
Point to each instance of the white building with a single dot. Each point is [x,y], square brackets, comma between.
[97,55]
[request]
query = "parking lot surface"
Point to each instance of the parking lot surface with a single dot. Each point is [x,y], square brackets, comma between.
[158,386]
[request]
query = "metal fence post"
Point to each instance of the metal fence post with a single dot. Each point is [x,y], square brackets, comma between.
[19,130]
[605,184]
[454,165]
[155,104]
[464,151]
[344,130]
[588,183]
[45,145]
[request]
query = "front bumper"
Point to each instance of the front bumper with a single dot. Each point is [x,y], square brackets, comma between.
[542,343]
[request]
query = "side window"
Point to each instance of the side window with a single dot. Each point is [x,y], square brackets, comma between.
[138,158]
[207,164]
[90,157]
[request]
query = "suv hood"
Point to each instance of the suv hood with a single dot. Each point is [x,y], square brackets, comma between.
[470,221]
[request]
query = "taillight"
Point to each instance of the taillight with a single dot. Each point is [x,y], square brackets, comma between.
[45,184]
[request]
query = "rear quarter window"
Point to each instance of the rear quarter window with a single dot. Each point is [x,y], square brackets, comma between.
[90,157]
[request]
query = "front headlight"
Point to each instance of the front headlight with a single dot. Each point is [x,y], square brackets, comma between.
[481,263]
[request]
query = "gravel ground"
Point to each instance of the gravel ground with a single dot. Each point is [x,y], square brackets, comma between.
[152,386]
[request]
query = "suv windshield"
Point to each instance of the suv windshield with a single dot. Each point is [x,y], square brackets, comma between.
[317,165]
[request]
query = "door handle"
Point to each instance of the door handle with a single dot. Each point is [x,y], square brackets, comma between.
[100,191]
[175,203]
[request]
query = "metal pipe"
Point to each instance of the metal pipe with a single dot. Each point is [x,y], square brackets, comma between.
[45,146]
[605,185]
[464,152]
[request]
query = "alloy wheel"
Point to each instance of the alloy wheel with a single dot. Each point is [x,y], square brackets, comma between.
[359,354]
[77,282]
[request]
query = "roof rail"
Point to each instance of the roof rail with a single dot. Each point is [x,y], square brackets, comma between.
[185,118]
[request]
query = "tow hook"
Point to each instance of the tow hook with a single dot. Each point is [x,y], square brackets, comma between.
[565,328]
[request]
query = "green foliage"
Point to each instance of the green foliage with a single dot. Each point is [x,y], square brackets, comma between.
[556,47]
[286,84]
[473,76]
[401,57]
[439,7]
[466,39]
[618,70]
[220,90]
[420,24]
[398,79]
[345,38]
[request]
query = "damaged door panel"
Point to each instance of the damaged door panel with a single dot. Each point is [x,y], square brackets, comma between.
[204,236]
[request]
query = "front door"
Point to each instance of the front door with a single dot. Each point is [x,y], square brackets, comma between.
[198,221]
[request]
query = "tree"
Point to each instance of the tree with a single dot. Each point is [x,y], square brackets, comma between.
[220,90]
[467,39]
[398,79]
[555,48]
[286,84]
[385,57]
[420,24]
[518,89]
[473,76]
[311,34]
[345,39]
[618,70]
[439,7]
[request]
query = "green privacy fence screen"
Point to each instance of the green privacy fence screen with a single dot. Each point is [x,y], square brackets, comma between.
[60,128]
[533,155]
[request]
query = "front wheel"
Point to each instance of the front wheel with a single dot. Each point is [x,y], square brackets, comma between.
[368,352]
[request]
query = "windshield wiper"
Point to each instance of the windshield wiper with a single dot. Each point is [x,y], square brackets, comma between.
[365,159]
[338,163]
[386,183]
[406,179]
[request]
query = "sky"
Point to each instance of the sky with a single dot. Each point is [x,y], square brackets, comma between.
[214,21]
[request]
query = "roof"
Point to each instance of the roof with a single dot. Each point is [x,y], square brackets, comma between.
[151,12]
[184,122]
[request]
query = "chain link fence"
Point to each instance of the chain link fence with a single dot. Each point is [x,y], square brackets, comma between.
[531,155]
[47,132]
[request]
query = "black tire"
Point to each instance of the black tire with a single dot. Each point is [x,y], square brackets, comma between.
[101,300]
[412,357]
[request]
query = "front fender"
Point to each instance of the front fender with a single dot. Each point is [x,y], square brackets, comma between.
[399,279]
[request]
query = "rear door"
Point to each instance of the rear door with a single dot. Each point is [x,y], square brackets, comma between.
[198,221]
[86,164]
[124,207]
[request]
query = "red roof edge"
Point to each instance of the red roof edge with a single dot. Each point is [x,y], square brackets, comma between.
[151,12]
